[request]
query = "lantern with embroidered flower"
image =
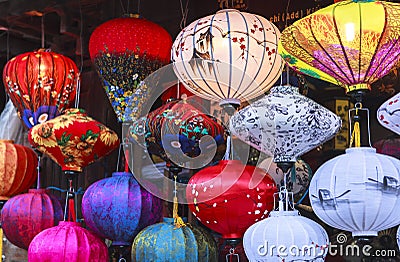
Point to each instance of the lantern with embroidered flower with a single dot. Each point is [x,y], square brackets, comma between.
[41,85]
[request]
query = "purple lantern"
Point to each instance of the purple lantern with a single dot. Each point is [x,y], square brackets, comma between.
[117,208]
[26,215]
[67,242]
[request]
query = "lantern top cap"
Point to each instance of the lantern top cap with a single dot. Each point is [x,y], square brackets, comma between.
[69,223]
[285,213]
[131,16]
[124,174]
[361,149]
[227,10]
[7,141]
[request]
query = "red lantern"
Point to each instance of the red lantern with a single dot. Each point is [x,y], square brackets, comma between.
[73,140]
[125,51]
[41,85]
[17,168]
[230,197]
[26,215]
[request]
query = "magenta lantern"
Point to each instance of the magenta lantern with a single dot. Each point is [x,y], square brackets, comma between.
[67,242]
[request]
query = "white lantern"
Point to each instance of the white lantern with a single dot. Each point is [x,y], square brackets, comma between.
[398,237]
[228,57]
[286,236]
[284,124]
[389,114]
[358,191]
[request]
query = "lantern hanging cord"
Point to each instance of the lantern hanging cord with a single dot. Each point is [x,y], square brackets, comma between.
[178,222]
[355,135]
[184,12]
[42,28]
[38,173]
[227,155]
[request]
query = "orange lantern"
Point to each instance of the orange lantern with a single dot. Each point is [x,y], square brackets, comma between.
[17,168]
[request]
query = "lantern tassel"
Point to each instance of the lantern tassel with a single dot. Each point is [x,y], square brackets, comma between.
[178,221]
[355,135]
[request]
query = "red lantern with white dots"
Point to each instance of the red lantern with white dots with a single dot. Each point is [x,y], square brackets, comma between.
[229,197]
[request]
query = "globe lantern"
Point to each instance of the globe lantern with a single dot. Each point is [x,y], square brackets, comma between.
[228,56]
[24,216]
[125,51]
[117,208]
[302,239]
[165,242]
[230,196]
[357,191]
[349,43]
[67,242]
[41,85]
[388,114]
[17,168]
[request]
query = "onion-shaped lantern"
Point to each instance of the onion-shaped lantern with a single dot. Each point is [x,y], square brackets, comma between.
[350,43]
[117,208]
[17,168]
[228,56]
[41,85]
[389,114]
[358,191]
[284,124]
[26,215]
[125,51]
[165,242]
[286,236]
[230,196]
[67,242]
[73,140]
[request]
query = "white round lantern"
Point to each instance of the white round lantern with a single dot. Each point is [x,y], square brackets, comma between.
[358,191]
[228,57]
[398,237]
[286,236]
[389,114]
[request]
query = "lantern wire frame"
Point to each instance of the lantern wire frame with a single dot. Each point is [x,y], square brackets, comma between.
[355,132]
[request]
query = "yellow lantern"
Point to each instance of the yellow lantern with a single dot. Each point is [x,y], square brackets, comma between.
[349,43]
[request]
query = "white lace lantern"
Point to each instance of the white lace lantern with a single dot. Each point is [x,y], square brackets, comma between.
[389,114]
[358,191]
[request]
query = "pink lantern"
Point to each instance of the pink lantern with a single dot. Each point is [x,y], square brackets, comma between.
[67,242]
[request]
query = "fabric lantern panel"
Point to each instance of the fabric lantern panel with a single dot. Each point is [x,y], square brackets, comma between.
[164,242]
[358,192]
[389,114]
[41,85]
[350,43]
[73,140]
[228,56]
[230,196]
[117,208]
[302,239]
[284,124]
[26,215]
[67,242]
[17,168]
[125,51]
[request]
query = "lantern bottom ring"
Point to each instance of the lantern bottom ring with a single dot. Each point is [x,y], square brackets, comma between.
[364,233]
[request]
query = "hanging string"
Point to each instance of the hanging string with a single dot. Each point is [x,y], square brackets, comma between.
[184,12]
[178,222]
[38,173]
[78,80]
[122,7]
[42,26]
[138,7]
[227,155]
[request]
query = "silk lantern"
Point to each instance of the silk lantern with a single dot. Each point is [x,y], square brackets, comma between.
[164,242]
[17,168]
[26,215]
[286,236]
[73,140]
[229,197]
[350,43]
[228,56]
[67,242]
[357,191]
[284,124]
[41,85]
[389,114]
[125,51]
[117,208]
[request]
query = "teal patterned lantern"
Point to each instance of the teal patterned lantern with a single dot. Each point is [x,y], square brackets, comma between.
[164,242]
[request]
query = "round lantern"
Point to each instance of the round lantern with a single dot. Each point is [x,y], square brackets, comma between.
[67,242]
[358,191]
[229,197]
[286,236]
[389,114]
[41,85]
[349,43]
[284,124]
[228,57]
[125,51]
[117,208]
[17,168]
[398,237]
[26,215]
[163,242]
[73,140]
